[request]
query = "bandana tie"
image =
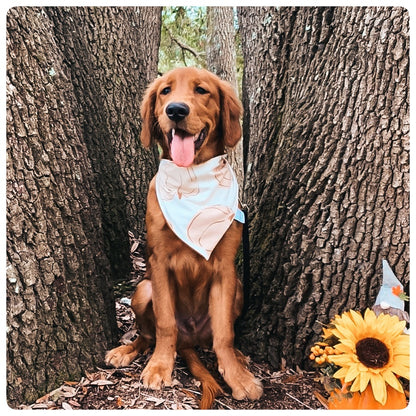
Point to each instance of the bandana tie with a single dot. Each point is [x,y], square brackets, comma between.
[199,202]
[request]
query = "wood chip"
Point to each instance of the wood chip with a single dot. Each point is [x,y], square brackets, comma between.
[321,399]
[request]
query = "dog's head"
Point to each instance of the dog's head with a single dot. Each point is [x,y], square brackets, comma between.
[192,114]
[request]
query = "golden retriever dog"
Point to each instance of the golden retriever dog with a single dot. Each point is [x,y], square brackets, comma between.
[188,298]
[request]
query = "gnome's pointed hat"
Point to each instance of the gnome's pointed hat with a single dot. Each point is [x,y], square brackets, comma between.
[386,296]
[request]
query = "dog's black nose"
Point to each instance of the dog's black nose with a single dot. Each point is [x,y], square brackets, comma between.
[177,111]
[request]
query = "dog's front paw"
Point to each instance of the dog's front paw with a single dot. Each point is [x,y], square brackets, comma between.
[157,373]
[121,356]
[248,387]
[243,384]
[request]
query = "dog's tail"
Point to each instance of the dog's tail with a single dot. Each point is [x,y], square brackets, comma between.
[210,388]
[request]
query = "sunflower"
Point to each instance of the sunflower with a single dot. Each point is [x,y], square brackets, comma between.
[373,350]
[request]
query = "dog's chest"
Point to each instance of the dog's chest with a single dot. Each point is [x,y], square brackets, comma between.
[189,270]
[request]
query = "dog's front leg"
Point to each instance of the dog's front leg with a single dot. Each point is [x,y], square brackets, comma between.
[222,312]
[159,369]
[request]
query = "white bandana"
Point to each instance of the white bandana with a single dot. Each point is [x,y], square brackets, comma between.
[198,202]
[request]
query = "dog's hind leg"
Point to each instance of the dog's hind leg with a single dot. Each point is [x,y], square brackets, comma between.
[210,388]
[141,304]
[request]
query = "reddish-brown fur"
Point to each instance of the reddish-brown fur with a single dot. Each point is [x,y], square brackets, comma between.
[188,300]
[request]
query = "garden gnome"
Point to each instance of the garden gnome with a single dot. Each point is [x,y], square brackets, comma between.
[390,298]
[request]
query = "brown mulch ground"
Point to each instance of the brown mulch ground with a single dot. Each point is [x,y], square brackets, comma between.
[108,388]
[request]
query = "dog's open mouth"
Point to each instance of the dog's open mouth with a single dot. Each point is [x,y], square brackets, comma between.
[183,145]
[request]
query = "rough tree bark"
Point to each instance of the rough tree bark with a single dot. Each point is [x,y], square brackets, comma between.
[221,60]
[112,53]
[60,306]
[327,147]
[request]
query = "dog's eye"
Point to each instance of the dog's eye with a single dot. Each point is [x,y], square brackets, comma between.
[201,90]
[165,91]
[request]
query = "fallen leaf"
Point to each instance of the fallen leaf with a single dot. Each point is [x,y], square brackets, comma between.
[84,381]
[101,383]
[134,246]
[128,337]
[71,383]
[291,378]
[119,402]
[40,406]
[90,376]
[157,401]
[43,399]
[74,403]
[66,406]
[68,391]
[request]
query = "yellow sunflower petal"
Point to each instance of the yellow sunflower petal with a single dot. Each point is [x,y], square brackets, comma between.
[369,317]
[352,373]
[349,343]
[390,378]
[356,385]
[336,319]
[327,332]
[379,388]
[344,347]
[336,333]
[402,359]
[392,328]
[388,317]
[364,379]
[357,318]
[362,367]
[346,331]
[348,321]
[341,373]
[341,360]
[401,344]
[383,323]
[400,369]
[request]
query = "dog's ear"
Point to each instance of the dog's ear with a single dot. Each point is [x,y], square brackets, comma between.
[231,111]
[150,127]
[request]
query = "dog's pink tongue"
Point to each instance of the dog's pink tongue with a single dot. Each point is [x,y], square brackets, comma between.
[182,150]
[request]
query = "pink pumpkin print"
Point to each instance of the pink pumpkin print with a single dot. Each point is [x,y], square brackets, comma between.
[208,226]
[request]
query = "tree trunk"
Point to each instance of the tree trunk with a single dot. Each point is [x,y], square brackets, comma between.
[221,60]
[60,306]
[327,148]
[112,53]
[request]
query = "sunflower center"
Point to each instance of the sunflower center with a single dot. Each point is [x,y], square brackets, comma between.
[372,352]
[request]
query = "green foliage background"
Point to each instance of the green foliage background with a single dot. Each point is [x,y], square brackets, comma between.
[184,39]
[184,26]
